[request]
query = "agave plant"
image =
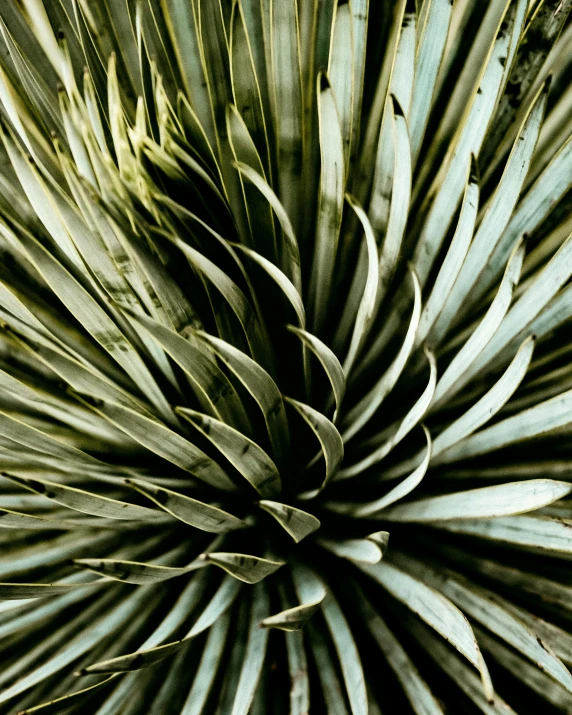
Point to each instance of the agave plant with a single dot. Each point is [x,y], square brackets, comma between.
[280,279]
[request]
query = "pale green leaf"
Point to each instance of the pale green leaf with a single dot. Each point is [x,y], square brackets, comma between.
[418,693]
[330,203]
[245,455]
[364,410]
[85,501]
[433,608]
[457,375]
[255,653]
[330,440]
[348,655]
[250,569]
[191,511]
[208,666]
[262,388]
[329,362]
[296,522]
[217,606]
[483,503]
[133,572]
[159,439]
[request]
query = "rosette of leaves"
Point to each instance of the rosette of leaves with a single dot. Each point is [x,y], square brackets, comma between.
[281,279]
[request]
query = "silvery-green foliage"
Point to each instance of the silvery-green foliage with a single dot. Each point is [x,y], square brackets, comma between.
[285,393]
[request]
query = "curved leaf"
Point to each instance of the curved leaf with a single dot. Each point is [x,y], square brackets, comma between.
[329,362]
[159,439]
[296,522]
[327,434]
[250,569]
[132,571]
[435,610]
[84,501]
[260,385]
[191,511]
[244,454]
[483,503]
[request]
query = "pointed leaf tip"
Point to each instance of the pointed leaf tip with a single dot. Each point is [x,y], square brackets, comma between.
[298,523]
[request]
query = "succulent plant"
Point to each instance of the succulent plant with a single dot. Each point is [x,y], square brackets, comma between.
[280,279]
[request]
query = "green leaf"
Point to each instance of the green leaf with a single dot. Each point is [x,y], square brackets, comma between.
[450,181]
[298,667]
[208,667]
[34,439]
[364,410]
[530,675]
[327,434]
[330,203]
[530,304]
[457,373]
[191,511]
[381,95]
[430,49]
[260,219]
[456,253]
[217,606]
[71,700]
[461,674]
[405,487]
[437,611]
[84,501]
[160,440]
[329,362]
[210,384]
[483,503]
[332,689]
[311,593]
[85,632]
[284,81]
[181,20]
[487,407]
[341,72]
[255,653]
[296,522]
[245,455]
[400,197]
[480,604]
[10,519]
[403,71]
[94,319]
[548,189]
[132,571]
[245,82]
[360,13]
[540,419]
[420,697]
[262,388]
[291,253]
[85,379]
[539,36]
[497,214]
[537,532]
[411,419]
[291,293]
[388,160]
[250,569]
[235,298]
[189,598]
[359,550]
[368,303]
[293,619]
[348,655]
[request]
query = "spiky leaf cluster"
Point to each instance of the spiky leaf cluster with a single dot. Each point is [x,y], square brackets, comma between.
[280,279]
